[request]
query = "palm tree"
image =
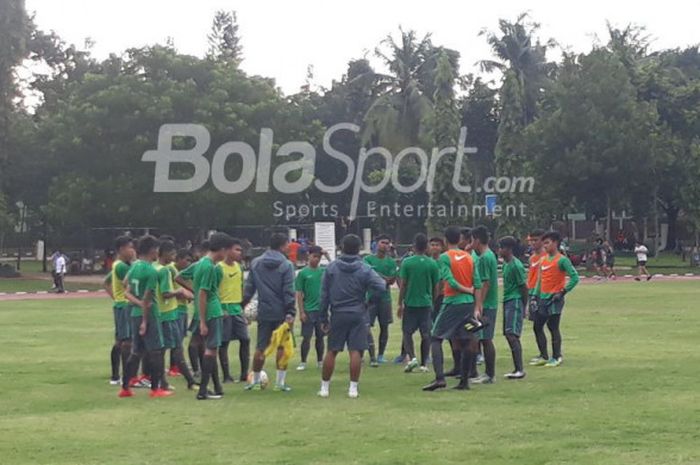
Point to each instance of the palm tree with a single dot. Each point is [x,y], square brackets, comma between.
[523,63]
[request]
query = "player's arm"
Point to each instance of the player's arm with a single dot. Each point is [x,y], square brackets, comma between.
[289,296]
[478,296]
[300,305]
[325,299]
[131,297]
[147,302]
[249,289]
[107,284]
[568,267]
[448,277]
[184,277]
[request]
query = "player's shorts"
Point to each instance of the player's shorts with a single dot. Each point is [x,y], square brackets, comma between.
[348,329]
[122,322]
[183,325]
[549,307]
[416,319]
[513,317]
[235,328]
[451,320]
[265,330]
[641,263]
[380,311]
[194,325]
[172,337]
[215,329]
[312,325]
[532,307]
[488,315]
[152,340]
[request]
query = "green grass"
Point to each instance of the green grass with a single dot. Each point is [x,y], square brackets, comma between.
[626,394]
[35,285]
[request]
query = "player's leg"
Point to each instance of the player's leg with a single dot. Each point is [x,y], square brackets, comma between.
[443,328]
[210,371]
[424,329]
[512,328]
[373,315]
[223,349]
[115,360]
[281,364]
[194,346]
[132,363]
[553,323]
[240,332]
[488,346]
[385,319]
[177,354]
[540,337]
[307,330]
[319,343]
[265,329]
[456,358]
[356,339]
[408,327]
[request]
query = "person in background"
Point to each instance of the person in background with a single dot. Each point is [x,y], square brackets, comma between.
[293,252]
[641,251]
[60,267]
[609,260]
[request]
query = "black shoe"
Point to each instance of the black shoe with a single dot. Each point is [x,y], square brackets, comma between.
[453,373]
[192,386]
[435,385]
[228,379]
[209,396]
[649,277]
[461,386]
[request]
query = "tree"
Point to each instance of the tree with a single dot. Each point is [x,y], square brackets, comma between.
[224,39]
[13,38]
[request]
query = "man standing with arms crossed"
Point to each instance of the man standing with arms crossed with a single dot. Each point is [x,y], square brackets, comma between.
[345,283]
[461,302]
[272,277]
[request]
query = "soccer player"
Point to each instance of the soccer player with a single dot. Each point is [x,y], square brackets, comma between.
[515,297]
[551,288]
[641,251]
[460,303]
[167,297]
[488,271]
[419,279]
[208,312]
[271,275]
[308,288]
[533,276]
[346,282]
[235,323]
[114,285]
[183,259]
[147,337]
[380,309]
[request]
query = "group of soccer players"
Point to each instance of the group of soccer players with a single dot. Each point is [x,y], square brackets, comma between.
[448,291]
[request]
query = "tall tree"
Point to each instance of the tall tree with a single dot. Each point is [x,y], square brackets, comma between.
[224,39]
[13,37]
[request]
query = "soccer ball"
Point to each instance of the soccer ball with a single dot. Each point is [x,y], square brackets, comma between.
[264,380]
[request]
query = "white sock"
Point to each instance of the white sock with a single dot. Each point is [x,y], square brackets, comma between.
[256,377]
[353,386]
[281,376]
[325,385]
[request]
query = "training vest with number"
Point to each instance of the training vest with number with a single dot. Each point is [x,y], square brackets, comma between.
[462,267]
[553,279]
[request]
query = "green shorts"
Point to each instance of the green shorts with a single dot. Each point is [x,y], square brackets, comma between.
[513,317]
[488,315]
[549,307]
[152,340]
[122,322]
[416,319]
[172,338]
[214,337]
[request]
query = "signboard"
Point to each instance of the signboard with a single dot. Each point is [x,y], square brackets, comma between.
[576,216]
[324,237]
[491,203]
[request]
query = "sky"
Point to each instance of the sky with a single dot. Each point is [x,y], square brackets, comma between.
[281,38]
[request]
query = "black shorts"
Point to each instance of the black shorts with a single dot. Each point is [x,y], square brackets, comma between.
[122,322]
[549,307]
[152,340]
[172,338]
[416,319]
[235,328]
[183,325]
[380,311]
[641,263]
[265,330]
[451,320]
[312,325]
[348,329]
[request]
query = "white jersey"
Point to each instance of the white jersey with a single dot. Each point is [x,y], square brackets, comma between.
[641,252]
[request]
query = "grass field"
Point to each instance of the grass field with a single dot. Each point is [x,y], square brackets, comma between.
[626,394]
